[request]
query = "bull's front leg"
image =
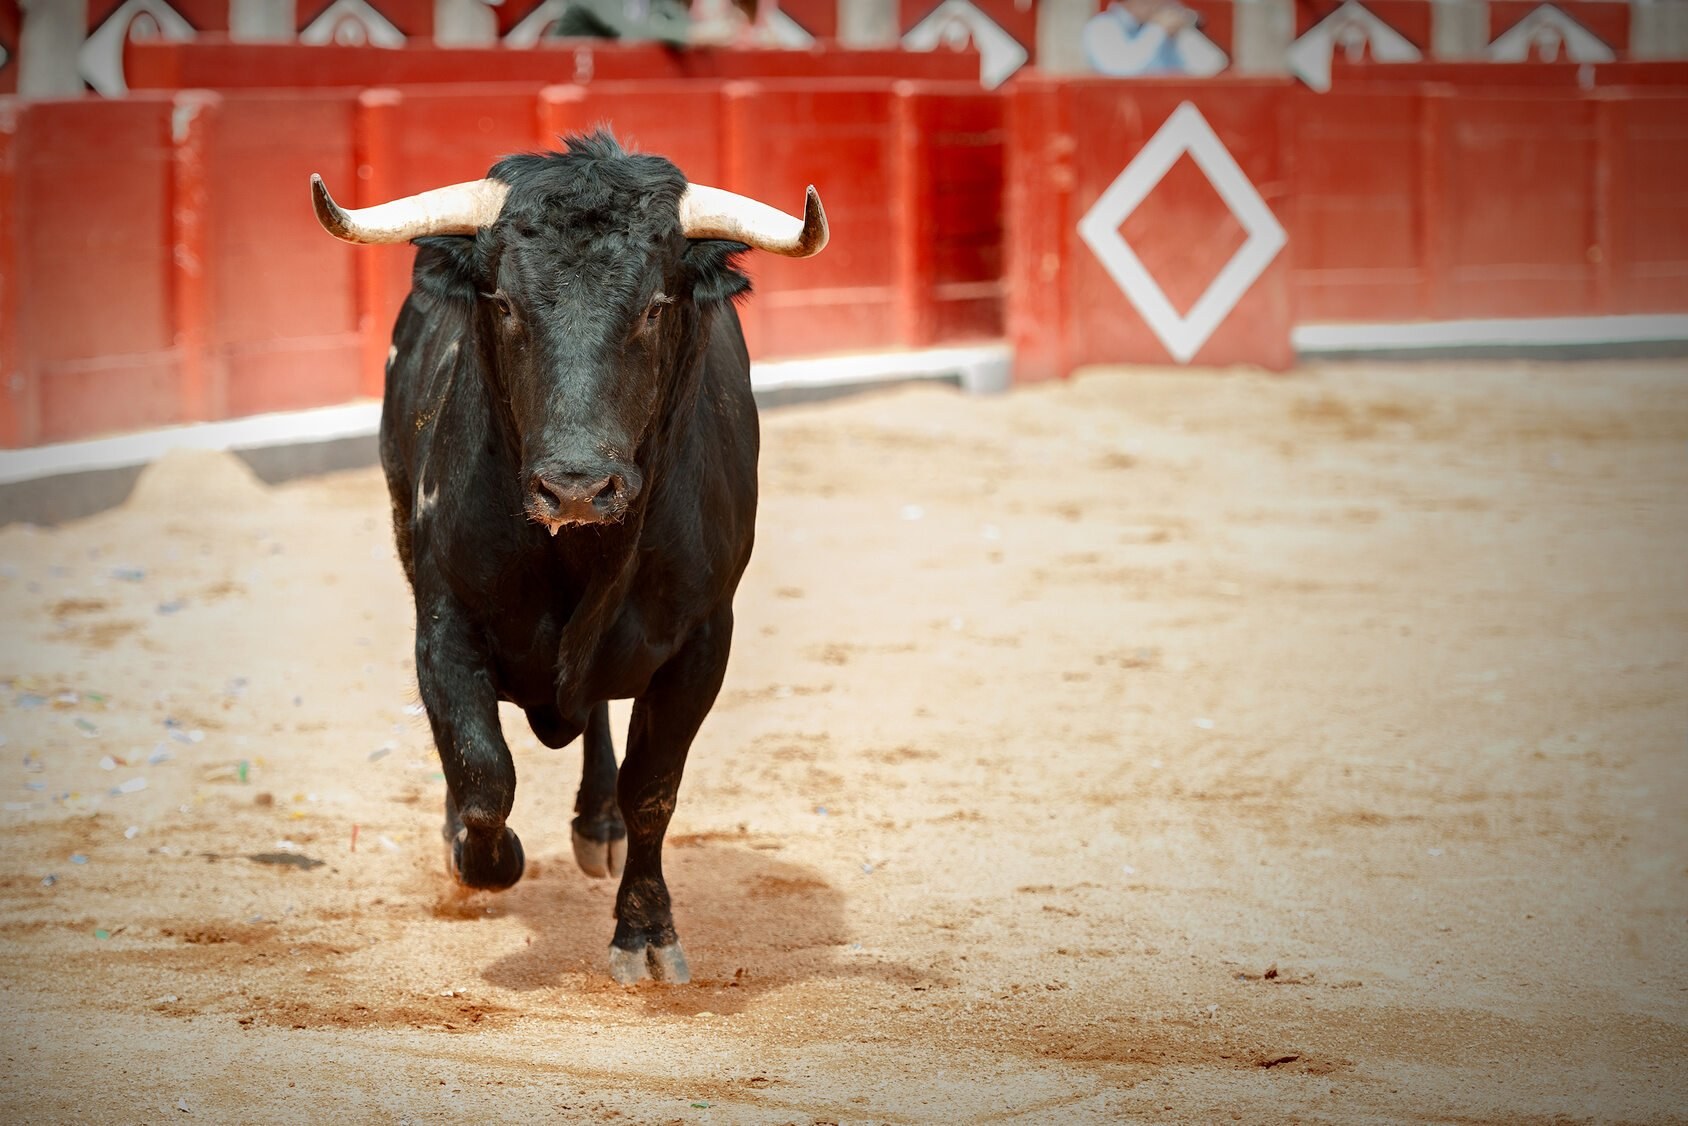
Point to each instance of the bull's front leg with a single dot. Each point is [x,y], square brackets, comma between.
[480,777]
[664,722]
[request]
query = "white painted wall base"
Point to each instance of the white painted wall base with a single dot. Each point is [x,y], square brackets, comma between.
[1545,332]
[981,368]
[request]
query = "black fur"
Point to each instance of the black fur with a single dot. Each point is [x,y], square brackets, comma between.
[581,337]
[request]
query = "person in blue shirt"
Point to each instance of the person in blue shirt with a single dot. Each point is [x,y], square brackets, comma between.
[1138,37]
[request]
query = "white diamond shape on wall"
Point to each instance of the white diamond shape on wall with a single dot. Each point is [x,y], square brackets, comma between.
[1186,131]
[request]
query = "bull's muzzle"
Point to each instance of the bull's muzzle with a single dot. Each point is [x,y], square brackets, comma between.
[557,498]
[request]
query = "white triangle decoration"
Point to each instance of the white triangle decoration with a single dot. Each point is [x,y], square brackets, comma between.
[352,23]
[527,31]
[101,57]
[787,32]
[1353,28]
[955,23]
[1557,34]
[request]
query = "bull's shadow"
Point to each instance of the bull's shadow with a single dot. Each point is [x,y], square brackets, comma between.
[749,921]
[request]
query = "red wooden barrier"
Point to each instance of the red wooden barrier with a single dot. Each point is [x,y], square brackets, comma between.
[1409,204]
[94,337]
[159,261]
[837,137]
[217,63]
[1643,207]
[950,152]
[14,385]
[1363,165]
[1437,205]
[281,329]
[1479,76]
[1176,254]
[190,249]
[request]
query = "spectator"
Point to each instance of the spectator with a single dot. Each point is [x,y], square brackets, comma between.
[661,21]
[1140,37]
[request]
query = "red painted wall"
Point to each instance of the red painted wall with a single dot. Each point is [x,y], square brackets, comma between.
[1070,140]
[159,261]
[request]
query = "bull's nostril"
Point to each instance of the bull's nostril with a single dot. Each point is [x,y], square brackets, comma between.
[609,489]
[550,495]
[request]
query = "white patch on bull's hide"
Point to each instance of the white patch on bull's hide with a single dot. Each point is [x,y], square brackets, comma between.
[101,57]
[426,498]
[352,23]
[392,354]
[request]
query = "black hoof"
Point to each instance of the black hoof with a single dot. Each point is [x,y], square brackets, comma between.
[488,864]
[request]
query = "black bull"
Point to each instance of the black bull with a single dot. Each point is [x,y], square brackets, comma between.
[570,445]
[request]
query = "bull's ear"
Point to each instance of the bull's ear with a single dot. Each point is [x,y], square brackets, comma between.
[716,276]
[445,268]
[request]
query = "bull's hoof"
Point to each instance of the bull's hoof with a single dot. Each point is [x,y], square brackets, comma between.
[600,859]
[487,865]
[666,964]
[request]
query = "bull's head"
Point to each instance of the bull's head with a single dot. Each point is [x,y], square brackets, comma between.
[597,273]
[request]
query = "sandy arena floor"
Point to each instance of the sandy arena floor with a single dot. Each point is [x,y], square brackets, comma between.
[1164,745]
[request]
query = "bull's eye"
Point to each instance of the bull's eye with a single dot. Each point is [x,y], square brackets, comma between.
[653,311]
[500,302]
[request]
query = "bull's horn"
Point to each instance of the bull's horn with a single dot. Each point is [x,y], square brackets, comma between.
[460,209]
[713,213]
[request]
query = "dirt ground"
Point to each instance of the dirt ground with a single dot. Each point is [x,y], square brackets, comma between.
[1160,745]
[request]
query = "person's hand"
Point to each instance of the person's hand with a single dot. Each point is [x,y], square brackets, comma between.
[1173,17]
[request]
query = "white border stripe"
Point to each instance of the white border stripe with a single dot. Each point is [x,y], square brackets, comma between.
[975,366]
[1542,332]
[322,424]
[981,368]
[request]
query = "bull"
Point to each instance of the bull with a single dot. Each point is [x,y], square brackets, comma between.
[570,443]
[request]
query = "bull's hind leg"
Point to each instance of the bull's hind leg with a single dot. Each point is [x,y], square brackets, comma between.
[480,776]
[665,720]
[600,837]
